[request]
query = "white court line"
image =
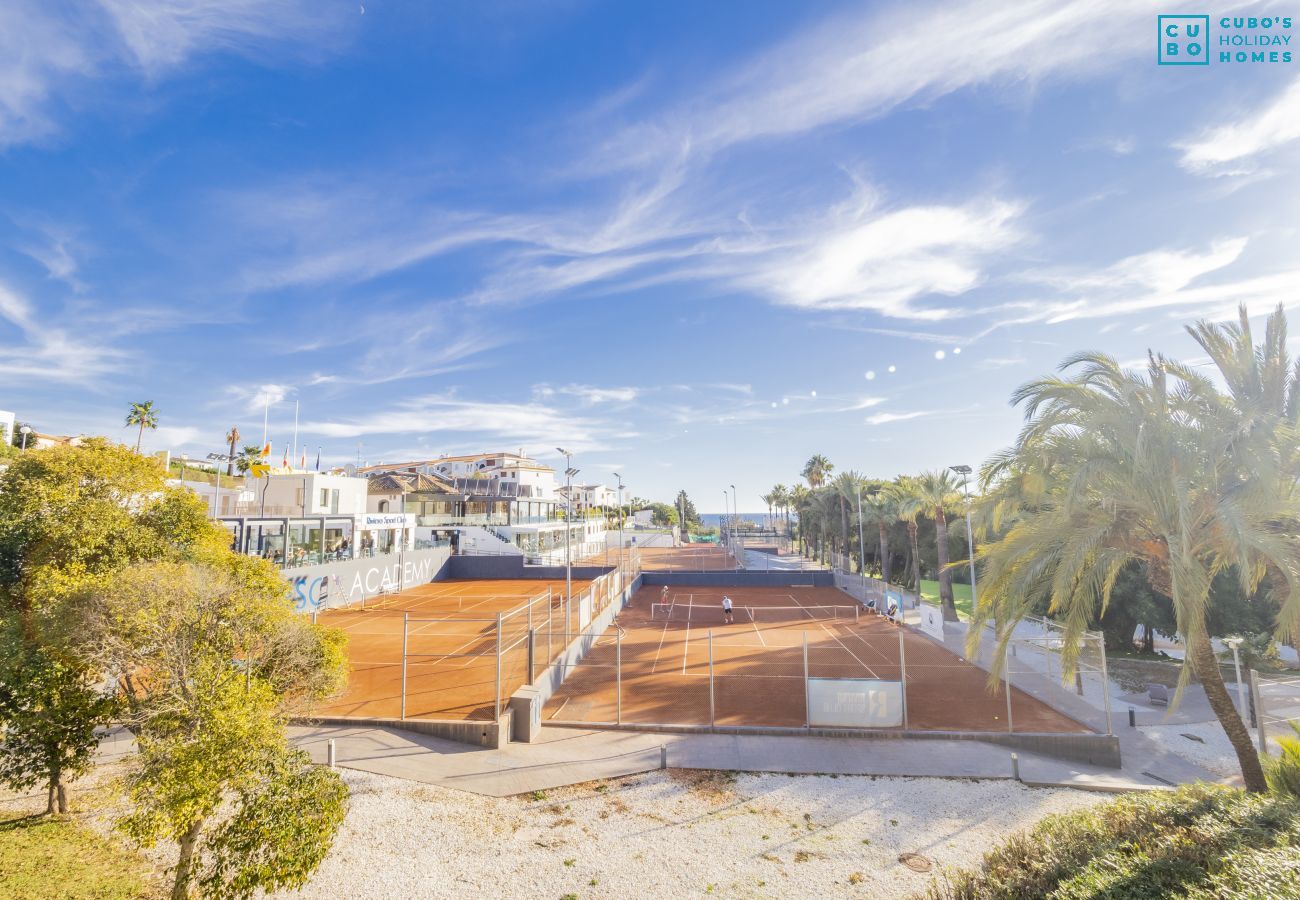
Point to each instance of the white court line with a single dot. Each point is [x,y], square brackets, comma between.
[870,670]
[757,632]
[662,635]
[686,646]
[881,653]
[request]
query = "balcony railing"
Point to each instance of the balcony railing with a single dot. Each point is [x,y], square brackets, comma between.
[439,521]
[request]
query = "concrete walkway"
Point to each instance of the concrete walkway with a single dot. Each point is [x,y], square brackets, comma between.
[571,756]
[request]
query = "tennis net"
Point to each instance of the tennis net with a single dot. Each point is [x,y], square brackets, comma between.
[712,614]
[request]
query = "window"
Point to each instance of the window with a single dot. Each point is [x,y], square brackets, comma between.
[383,506]
[324,497]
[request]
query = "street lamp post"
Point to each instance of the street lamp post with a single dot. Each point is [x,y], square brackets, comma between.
[185,458]
[24,431]
[620,520]
[569,472]
[964,472]
[218,458]
[1235,643]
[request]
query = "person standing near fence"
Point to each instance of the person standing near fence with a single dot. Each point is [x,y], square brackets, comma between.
[726,610]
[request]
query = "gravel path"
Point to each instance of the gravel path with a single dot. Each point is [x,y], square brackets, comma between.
[673,834]
[1213,751]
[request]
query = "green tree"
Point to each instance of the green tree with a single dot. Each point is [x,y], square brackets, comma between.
[247,457]
[936,492]
[211,733]
[662,514]
[817,470]
[687,514]
[144,416]
[50,713]
[1165,469]
[879,510]
[907,500]
[69,518]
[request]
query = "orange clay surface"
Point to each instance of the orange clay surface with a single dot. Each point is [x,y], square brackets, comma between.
[451,638]
[758,667]
[690,558]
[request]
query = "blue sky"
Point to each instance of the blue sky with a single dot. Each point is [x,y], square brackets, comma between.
[688,241]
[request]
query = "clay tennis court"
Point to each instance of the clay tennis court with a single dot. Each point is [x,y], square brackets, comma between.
[451,642]
[689,558]
[758,665]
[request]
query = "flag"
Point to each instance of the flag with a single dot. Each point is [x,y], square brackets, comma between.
[284,463]
[266,450]
[318,459]
[303,465]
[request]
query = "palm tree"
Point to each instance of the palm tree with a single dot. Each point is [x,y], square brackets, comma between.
[143,415]
[846,487]
[232,438]
[937,491]
[247,457]
[817,470]
[781,500]
[768,499]
[1162,468]
[881,510]
[907,502]
[798,499]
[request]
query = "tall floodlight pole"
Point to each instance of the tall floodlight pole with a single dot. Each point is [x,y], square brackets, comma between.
[964,472]
[218,458]
[862,546]
[620,520]
[24,431]
[569,472]
[735,515]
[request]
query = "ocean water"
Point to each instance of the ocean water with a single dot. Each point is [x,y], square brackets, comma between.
[711,520]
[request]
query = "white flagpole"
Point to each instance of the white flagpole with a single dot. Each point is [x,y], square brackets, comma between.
[266,412]
[295,433]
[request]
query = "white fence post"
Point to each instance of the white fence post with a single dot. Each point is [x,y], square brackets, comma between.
[902,674]
[712,709]
[406,628]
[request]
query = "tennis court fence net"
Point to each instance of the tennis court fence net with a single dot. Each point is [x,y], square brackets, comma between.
[712,614]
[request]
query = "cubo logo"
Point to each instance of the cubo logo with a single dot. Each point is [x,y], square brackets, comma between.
[1183,40]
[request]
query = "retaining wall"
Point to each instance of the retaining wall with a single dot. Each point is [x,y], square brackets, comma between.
[526,704]
[491,735]
[509,567]
[741,579]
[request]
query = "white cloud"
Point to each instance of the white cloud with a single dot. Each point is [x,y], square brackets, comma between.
[442,417]
[46,352]
[49,49]
[885,418]
[886,261]
[591,395]
[1232,148]
[863,65]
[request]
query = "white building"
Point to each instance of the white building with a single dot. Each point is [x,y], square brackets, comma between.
[489,503]
[304,518]
[590,496]
[7,420]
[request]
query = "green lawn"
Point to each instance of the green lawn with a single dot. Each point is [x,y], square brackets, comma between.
[54,857]
[960,596]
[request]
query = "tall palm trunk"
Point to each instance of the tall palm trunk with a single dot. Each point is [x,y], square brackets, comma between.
[884,554]
[945,576]
[1206,667]
[140,436]
[844,530]
[916,558]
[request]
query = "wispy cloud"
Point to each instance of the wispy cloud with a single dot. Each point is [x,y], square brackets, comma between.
[50,50]
[862,65]
[449,418]
[1234,147]
[590,395]
[41,351]
[884,418]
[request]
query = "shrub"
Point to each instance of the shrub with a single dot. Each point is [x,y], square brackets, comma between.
[1198,841]
[1283,771]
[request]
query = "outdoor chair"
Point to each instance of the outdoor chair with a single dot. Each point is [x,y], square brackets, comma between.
[1158,694]
[871,606]
[891,611]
